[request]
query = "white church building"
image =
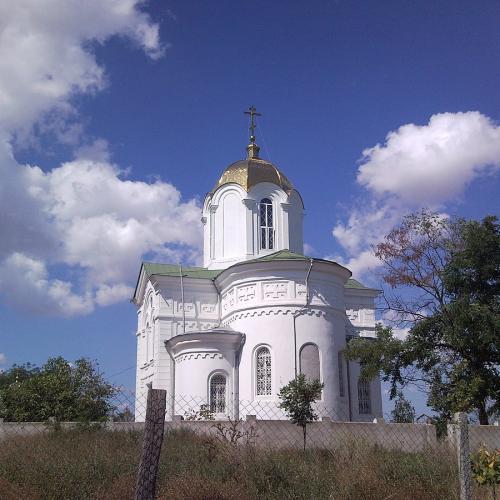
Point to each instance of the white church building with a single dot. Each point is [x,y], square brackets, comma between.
[230,334]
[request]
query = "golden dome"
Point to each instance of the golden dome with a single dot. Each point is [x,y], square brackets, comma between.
[247,173]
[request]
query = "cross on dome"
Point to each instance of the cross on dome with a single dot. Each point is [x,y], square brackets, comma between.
[252,148]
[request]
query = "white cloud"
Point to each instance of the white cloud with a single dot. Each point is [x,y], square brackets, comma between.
[46,55]
[73,236]
[363,262]
[417,167]
[433,163]
[3,358]
[24,283]
[107,295]
[309,249]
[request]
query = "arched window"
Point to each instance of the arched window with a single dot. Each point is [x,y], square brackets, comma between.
[364,401]
[266,224]
[218,393]
[263,371]
[309,361]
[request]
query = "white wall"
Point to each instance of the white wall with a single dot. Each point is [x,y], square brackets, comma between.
[231,223]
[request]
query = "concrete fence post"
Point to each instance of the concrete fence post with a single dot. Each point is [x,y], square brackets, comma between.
[463,455]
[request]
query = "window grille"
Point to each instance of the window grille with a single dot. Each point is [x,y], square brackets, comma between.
[218,394]
[266,224]
[263,371]
[364,397]
[341,374]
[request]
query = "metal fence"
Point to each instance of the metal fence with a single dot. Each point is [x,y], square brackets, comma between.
[262,425]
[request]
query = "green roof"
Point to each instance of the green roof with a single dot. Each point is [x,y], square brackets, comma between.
[352,283]
[279,255]
[151,268]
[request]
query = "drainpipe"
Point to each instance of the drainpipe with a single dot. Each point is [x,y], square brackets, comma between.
[296,314]
[182,300]
[236,381]
[171,394]
[219,302]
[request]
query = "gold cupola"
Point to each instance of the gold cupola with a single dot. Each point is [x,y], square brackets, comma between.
[253,170]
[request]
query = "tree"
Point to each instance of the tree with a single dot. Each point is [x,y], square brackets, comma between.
[403,412]
[444,285]
[59,389]
[297,398]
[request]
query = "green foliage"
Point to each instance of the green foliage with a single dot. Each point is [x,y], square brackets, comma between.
[452,268]
[204,413]
[486,467]
[403,411]
[297,398]
[58,390]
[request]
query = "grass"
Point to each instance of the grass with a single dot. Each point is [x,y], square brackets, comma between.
[98,464]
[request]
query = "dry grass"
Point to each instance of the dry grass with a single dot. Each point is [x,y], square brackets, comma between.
[102,465]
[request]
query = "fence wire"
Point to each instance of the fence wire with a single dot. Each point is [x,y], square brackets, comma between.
[263,427]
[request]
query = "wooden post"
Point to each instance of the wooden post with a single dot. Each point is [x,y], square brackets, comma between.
[464,466]
[151,448]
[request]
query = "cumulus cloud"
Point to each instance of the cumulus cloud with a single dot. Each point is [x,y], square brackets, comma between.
[46,56]
[417,167]
[24,283]
[72,236]
[3,358]
[433,163]
[107,295]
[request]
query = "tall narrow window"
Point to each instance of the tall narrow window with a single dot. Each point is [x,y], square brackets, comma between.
[218,394]
[263,371]
[309,361]
[266,224]
[364,402]
[341,374]
[147,336]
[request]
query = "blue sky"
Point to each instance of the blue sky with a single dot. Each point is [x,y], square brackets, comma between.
[115,123]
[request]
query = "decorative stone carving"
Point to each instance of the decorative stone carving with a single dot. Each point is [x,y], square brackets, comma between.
[246,293]
[198,355]
[278,290]
[300,290]
[208,308]
[352,314]
[228,300]
[273,312]
[369,316]
[188,307]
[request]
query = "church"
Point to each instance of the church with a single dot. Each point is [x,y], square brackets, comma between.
[225,337]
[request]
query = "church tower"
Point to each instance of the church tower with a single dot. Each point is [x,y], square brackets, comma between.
[252,211]
[227,336]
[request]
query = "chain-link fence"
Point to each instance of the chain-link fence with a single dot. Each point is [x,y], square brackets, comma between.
[367,459]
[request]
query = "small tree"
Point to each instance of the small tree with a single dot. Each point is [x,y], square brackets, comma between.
[404,412]
[297,398]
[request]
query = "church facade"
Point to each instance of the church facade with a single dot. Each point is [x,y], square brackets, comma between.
[227,336]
